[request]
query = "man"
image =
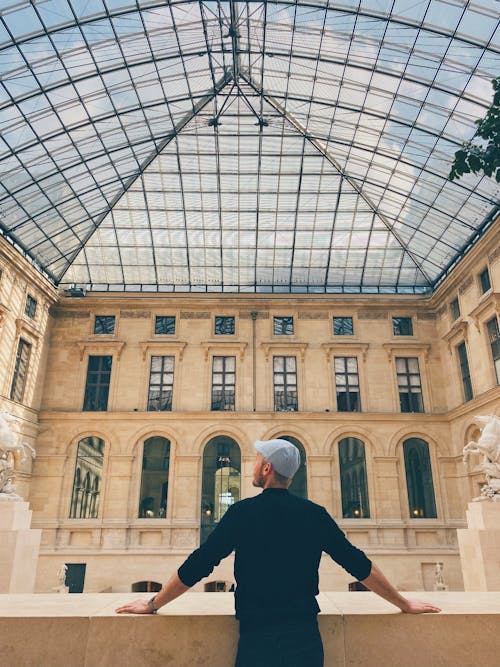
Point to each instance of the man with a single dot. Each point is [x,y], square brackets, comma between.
[278,540]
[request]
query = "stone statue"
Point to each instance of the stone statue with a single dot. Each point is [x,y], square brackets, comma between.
[439,583]
[9,447]
[489,446]
[61,578]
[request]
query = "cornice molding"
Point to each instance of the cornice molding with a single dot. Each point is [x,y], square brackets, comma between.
[345,347]
[163,345]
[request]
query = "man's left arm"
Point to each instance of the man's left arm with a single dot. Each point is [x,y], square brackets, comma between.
[379,584]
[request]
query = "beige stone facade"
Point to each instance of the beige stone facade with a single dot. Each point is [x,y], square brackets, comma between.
[120,548]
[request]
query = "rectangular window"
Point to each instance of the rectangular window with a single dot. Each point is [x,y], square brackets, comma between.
[409,384]
[223,383]
[464,371]
[484,279]
[455,309]
[283,326]
[347,384]
[343,326]
[494,338]
[30,306]
[402,326]
[104,324]
[285,384]
[224,325]
[20,371]
[165,325]
[97,386]
[161,383]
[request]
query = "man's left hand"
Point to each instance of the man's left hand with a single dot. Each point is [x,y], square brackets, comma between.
[418,607]
[136,607]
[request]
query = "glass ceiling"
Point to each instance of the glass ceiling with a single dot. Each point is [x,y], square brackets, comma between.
[244,146]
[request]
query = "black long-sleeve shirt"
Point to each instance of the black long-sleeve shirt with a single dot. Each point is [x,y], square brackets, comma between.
[278,539]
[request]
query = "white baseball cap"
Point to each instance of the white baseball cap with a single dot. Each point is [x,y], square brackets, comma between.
[281,454]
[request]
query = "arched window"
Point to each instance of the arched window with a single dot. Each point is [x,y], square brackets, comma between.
[419,483]
[299,481]
[221,483]
[353,483]
[88,467]
[154,480]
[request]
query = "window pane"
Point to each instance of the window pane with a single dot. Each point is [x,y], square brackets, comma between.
[283,326]
[402,326]
[455,309]
[353,480]
[20,371]
[104,324]
[465,372]
[484,277]
[223,383]
[87,480]
[419,482]
[165,324]
[161,381]
[224,325]
[30,307]
[347,384]
[343,326]
[220,481]
[97,385]
[154,480]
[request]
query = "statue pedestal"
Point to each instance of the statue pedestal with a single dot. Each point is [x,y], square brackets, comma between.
[19,547]
[480,547]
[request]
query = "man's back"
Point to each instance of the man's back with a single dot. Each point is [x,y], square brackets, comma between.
[278,539]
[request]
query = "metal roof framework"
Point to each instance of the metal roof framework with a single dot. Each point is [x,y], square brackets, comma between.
[244,146]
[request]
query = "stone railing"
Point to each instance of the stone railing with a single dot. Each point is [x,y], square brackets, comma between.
[358,629]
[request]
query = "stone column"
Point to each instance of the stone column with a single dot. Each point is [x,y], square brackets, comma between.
[480,547]
[19,547]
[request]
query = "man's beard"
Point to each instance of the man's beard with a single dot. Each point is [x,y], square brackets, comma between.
[258,479]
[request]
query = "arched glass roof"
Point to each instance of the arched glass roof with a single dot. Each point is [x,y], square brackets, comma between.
[244,146]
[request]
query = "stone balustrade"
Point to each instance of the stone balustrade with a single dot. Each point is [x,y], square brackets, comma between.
[359,629]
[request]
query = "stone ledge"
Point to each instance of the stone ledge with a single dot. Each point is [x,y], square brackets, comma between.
[199,629]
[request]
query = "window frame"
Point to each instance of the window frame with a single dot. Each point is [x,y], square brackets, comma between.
[405,318]
[169,481]
[434,479]
[224,333]
[408,375]
[224,386]
[285,373]
[283,317]
[346,374]
[455,310]
[79,440]
[491,342]
[343,317]
[485,271]
[105,333]
[466,379]
[15,371]
[161,386]
[28,305]
[86,375]
[155,321]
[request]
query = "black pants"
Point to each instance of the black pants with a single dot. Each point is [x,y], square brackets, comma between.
[291,645]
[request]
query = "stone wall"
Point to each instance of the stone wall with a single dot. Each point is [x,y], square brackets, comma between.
[120,548]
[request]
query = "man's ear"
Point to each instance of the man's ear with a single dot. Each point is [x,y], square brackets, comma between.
[267,468]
